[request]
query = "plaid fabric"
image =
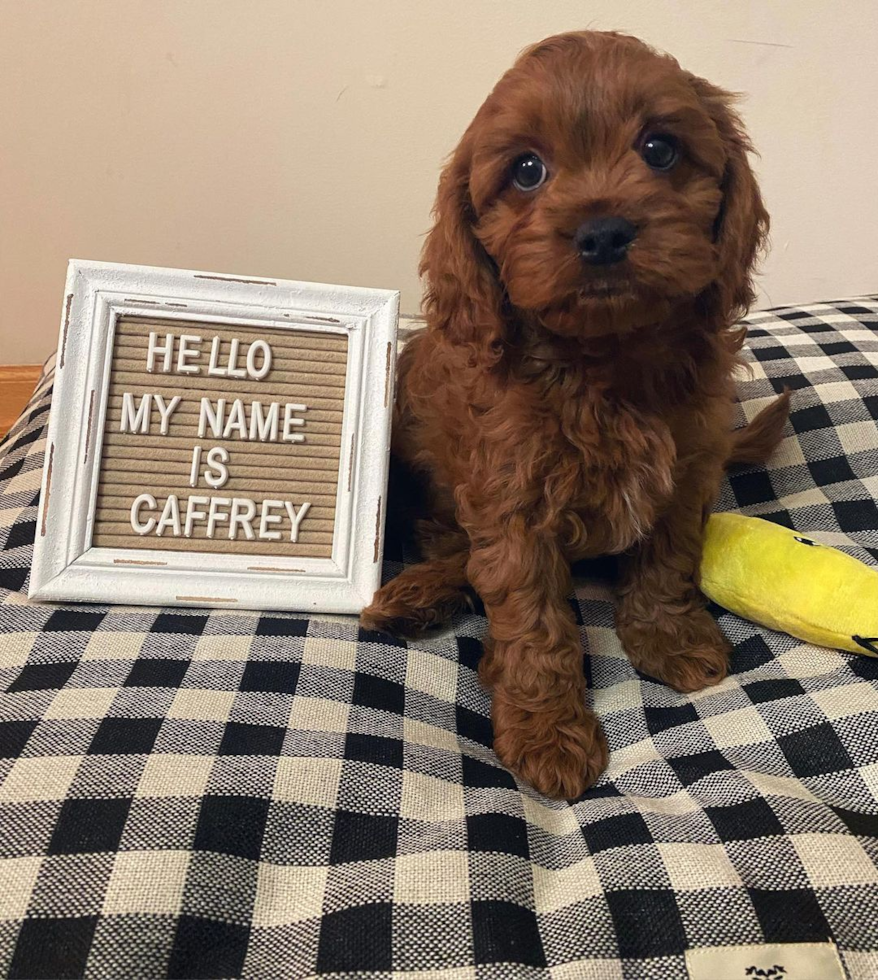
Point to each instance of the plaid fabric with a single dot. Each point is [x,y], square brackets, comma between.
[207,794]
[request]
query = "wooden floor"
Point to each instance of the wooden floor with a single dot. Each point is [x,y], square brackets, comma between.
[17,384]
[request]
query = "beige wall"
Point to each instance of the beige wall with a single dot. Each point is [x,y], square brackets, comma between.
[303,139]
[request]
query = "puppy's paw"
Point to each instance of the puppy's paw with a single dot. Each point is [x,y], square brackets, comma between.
[389,614]
[559,759]
[412,603]
[688,652]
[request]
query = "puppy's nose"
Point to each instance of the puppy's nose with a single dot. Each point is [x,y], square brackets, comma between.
[603,241]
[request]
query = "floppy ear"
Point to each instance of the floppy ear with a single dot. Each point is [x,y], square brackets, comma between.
[463,297]
[741,230]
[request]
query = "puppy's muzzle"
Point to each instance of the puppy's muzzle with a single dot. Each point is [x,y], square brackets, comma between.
[604,241]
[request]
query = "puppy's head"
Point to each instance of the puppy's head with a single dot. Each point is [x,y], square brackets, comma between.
[598,187]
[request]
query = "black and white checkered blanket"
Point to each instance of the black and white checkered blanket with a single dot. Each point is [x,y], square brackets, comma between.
[208,794]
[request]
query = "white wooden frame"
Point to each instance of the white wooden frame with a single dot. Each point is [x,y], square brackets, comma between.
[67,567]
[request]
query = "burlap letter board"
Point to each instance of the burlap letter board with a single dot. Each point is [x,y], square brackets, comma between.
[275,438]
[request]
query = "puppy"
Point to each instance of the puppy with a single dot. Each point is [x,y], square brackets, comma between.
[572,395]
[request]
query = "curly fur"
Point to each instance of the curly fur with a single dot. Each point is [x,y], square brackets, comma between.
[552,412]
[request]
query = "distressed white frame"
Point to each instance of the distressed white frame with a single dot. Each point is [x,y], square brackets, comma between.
[67,567]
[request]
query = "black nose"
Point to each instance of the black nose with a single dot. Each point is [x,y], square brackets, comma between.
[603,241]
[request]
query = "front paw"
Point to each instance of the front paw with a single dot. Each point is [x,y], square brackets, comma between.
[559,755]
[687,651]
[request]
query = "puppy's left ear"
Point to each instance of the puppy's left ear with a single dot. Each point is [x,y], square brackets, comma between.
[741,230]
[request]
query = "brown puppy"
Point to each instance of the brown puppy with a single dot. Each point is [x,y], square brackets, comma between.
[594,236]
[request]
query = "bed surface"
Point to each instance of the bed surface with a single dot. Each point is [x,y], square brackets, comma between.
[208,794]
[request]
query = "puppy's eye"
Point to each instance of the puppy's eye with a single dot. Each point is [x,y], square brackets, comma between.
[660,151]
[529,172]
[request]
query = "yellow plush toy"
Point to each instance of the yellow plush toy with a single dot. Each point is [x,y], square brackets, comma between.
[786,581]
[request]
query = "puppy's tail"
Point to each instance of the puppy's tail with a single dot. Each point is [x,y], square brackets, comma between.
[757,441]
